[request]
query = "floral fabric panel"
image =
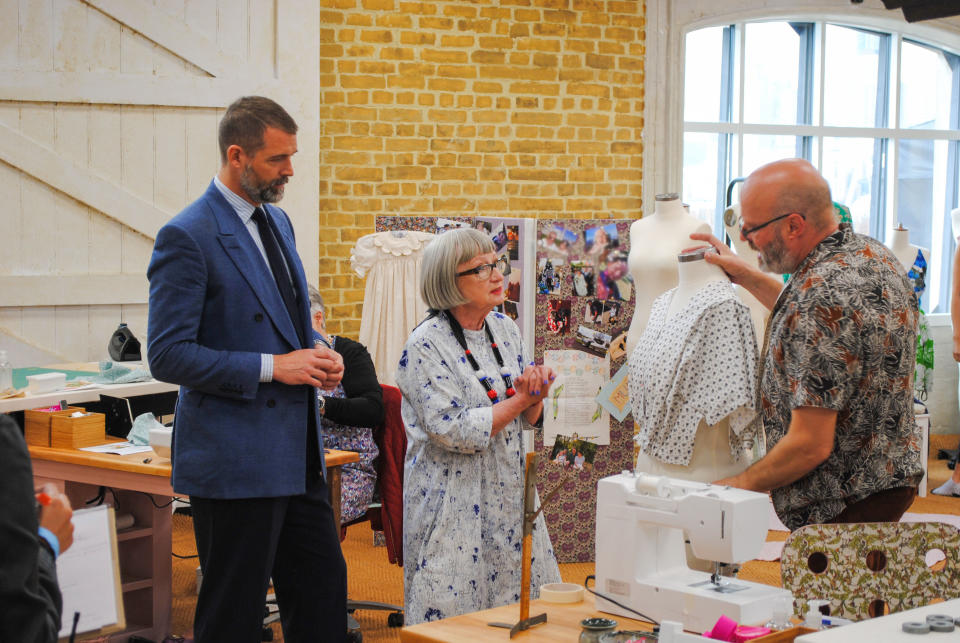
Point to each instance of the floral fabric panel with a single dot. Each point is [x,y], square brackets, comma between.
[843,336]
[854,565]
[463,489]
[698,365]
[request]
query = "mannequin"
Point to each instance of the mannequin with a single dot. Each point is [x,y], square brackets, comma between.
[758,312]
[905,252]
[655,242]
[674,390]
[711,459]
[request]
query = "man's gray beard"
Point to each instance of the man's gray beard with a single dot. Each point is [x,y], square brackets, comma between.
[774,258]
[258,192]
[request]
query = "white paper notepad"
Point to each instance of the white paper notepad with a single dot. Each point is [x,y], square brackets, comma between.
[89,574]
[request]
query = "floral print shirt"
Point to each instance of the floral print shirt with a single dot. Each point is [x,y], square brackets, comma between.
[462,488]
[843,336]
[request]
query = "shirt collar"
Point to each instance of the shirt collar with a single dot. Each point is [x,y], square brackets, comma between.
[241,206]
[827,246]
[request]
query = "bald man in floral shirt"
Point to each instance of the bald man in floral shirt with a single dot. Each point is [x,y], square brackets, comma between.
[836,381]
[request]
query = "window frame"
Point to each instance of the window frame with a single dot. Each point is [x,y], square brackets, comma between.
[669,22]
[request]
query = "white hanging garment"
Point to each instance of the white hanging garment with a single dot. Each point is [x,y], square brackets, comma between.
[392,306]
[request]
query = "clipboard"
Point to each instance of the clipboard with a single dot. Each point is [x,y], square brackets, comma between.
[89,575]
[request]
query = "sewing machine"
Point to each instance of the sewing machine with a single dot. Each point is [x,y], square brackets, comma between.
[641,558]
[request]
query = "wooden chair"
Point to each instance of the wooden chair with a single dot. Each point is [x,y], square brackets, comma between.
[387,515]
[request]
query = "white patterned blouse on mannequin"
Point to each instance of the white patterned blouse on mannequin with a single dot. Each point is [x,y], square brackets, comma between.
[392,306]
[692,377]
[655,241]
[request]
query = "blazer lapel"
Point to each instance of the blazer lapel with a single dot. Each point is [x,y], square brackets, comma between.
[243,252]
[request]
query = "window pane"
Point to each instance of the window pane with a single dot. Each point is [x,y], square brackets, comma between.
[700,174]
[703,74]
[921,202]
[760,149]
[771,68]
[848,168]
[850,78]
[925,84]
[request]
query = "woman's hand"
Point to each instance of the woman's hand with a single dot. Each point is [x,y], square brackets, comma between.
[535,382]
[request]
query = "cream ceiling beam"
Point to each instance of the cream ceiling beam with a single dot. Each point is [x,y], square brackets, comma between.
[170,33]
[73,290]
[80,183]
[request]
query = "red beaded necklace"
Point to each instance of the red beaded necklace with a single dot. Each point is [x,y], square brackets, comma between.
[484,380]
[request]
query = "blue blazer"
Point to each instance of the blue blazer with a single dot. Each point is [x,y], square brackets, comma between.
[214,308]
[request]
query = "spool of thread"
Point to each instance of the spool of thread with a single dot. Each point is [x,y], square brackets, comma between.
[651,485]
[124,521]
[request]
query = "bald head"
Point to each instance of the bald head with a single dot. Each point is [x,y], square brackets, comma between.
[792,185]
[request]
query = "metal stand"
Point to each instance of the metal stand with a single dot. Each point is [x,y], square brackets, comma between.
[529,516]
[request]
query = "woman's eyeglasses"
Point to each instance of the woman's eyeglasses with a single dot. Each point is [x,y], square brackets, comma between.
[483,271]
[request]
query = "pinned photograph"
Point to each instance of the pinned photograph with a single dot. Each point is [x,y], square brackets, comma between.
[614,281]
[603,312]
[595,341]
[549,276]
[583,278]
[484,226]
[499,236]
[573,452]
[600,240]
[556,242]
[449,224]
[503,265]
[510,309]
[558,316]
[513,285]
[513,242]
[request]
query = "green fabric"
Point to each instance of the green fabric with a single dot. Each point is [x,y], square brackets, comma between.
[20,374]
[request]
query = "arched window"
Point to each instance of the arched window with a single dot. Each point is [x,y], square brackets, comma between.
[871,101]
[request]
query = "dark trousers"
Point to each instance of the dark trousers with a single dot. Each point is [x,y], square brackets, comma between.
[243,543]
[884,506]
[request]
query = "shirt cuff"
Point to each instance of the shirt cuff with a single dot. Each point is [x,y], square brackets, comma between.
[52,540]
[266,367]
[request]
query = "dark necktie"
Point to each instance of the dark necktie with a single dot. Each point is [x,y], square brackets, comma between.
[278,266]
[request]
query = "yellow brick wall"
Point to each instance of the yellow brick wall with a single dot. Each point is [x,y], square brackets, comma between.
[516,108]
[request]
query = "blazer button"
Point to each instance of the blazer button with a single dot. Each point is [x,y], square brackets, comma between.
[258,317]
[271,404]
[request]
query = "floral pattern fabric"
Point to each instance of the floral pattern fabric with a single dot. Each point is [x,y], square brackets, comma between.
[923,376]
[843,336]
[357,479]
[700,364]
[463,489]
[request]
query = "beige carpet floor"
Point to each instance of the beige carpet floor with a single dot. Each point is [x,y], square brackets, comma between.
[372,577]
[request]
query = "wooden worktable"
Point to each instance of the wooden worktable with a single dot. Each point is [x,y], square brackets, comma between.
[563,624]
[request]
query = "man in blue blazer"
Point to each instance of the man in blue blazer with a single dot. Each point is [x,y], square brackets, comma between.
[230,322]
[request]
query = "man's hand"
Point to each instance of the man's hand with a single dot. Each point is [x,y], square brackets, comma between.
[319,367]
[56,516]
[736,268]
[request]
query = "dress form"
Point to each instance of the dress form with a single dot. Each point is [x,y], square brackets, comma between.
[655,242]
[711,453]
[711,459]
[901,247]
[758,312]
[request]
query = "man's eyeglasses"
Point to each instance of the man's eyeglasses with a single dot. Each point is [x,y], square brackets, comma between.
[483,271]
[746,232]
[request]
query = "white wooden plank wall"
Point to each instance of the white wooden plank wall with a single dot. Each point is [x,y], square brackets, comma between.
[110,109]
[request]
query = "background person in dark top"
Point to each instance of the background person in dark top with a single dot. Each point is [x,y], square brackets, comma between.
[349,413]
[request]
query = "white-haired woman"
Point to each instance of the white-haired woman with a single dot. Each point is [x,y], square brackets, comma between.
[469,388]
